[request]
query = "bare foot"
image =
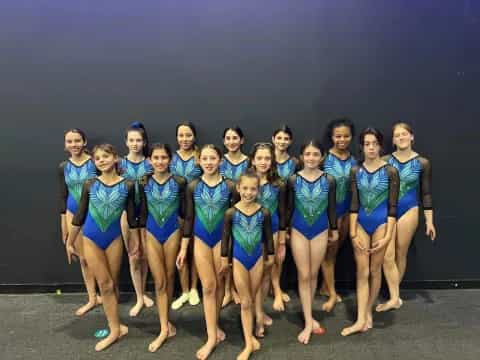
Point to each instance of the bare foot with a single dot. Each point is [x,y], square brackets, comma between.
[259,330]
[389,305]
[323,291]
[82,310]
[255,344]
[267,320]
[147,301]
[245,354]
[221,336]
[205,350]
[111,338]
[285,297]
[135,310]
[304,336]
[278,303]
[236,298]
[355,328]
[158,342]
[329,304]
[227,299]
[172,330]
[369,322]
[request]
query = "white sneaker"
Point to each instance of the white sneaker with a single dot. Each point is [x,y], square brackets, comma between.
[178,303]
[193,298]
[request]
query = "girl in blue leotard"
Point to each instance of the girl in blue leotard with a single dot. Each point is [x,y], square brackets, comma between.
[247,238]
[162,205]
[314,224]
[101,205]
[72,174]
[375,186]
[133,167]
[415,189]
[338,163]
[234,164]
[185,164]
[207,199]
[282,139]
[272,195]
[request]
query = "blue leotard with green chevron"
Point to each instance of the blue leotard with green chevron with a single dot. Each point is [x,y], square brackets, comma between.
[101,207]
[72,177]
[274,198]
[313,204]
[161,206]
[205,209]
[287,168]
[249,233]
[415,183]
[134,172]
[374,195]
[185,168]
[232,171]
[340,170]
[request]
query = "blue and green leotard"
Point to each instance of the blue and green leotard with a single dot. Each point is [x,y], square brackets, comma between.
[71,178]
[273,196]
[251,236]
[340,170]
[415,183]
[101,207]
[232,171]
[161,205]
[313,204]
[287,168]
[205,208]
[374,195]
[185,168]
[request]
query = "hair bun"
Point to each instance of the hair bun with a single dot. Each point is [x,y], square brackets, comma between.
[137,125]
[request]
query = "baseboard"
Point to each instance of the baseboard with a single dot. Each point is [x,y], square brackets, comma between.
[127,287]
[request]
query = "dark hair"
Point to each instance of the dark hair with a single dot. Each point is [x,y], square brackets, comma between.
[370,131]
[235,129]
[336,123]
[82,135]
[76,131]
[140,128]
[316,144]
[212,147]
[272,175]
[283,128]
[251,174]
[159,146]
[109,149]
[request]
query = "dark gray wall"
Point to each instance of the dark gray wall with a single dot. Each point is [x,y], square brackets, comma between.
[98,65]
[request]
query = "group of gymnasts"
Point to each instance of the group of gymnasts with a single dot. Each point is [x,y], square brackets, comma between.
[227,218]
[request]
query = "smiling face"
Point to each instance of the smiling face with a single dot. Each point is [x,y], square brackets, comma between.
[232,141]
[185,138]
[371,147]
[282,141]
[262,161]
[74,143]
[135,142]
[104,161]
[209,161]
[312,157]
[402,138]
[160,161]
[248,188]
[341,137]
